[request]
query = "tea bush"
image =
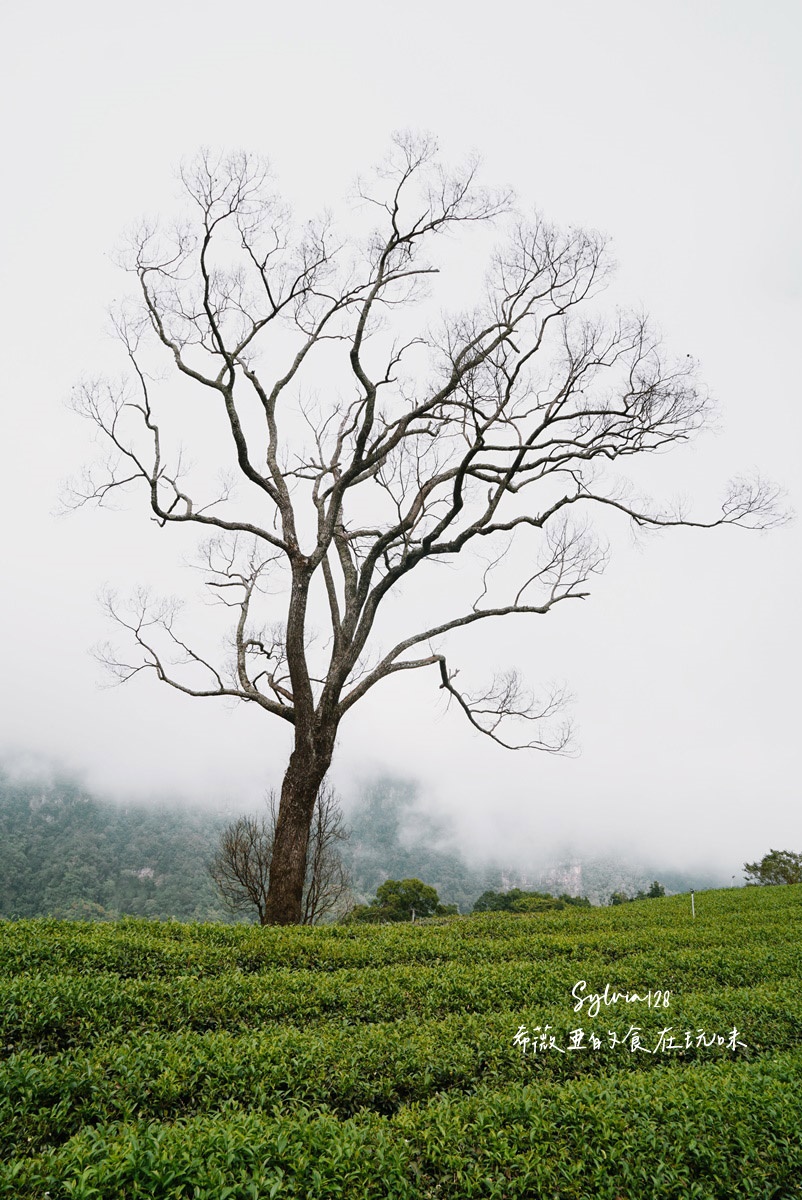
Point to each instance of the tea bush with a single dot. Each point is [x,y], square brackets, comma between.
[160,1060]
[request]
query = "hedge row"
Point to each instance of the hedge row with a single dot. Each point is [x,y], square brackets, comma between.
[382,1066]
[51,1013]
[137,948]
[705,1132]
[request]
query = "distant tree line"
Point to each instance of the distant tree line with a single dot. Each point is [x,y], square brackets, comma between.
[518,901]
[656,890]
[411,899]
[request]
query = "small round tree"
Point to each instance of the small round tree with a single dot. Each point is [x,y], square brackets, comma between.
[778,866]
[402,900]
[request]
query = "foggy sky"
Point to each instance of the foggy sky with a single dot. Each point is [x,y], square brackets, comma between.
[672,127]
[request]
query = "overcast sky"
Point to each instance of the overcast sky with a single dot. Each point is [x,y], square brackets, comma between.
[672,127]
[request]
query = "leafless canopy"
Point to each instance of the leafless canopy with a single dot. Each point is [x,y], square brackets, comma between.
[241,866]
[480,447]
[328,883]
[371,436]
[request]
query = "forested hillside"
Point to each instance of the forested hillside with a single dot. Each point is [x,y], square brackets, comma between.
[394,837]
[67,853]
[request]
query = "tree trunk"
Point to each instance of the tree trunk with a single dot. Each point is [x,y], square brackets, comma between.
[309,762]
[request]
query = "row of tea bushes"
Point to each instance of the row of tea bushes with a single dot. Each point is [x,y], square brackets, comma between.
[705,1132]
[55,1012]
[195,1062]
[158,1075]
[149,949]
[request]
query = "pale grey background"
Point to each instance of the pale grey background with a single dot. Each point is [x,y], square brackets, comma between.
[674,127]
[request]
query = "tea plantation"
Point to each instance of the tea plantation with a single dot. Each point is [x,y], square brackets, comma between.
[163,1060]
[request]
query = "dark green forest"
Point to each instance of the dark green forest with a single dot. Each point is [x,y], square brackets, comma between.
[69,854]
[65,853]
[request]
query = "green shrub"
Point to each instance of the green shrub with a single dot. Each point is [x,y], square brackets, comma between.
[161,1060]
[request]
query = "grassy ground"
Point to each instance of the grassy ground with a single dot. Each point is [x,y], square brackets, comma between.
[157,1060]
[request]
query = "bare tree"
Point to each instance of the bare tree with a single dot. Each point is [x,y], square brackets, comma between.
[327,883]
[241,866]
[429,438]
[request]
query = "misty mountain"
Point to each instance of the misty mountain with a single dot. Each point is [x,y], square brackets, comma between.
[395,836]
[67,853]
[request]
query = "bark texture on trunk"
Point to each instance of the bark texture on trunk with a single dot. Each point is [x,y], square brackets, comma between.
[309,762]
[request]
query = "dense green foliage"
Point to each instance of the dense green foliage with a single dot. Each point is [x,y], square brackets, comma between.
[401,900]
[654,892]
[163,1060]
[778,866]
[518,901]
[65,853]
